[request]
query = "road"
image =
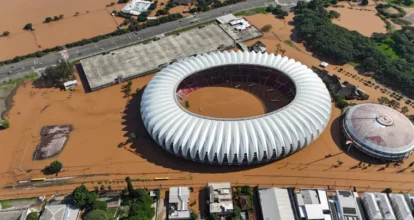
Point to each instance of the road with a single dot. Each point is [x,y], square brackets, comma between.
[16,70]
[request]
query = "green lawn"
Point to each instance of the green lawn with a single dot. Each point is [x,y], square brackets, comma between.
[5,204]
[261,10]
[387,50]
[353,64]
[290,44]
[19,80]
[111,211]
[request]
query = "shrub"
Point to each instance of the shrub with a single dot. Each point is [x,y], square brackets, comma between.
[5,124]
[28,27]
[48,19]
[54,167]
[6,33]
[267,28]
[101,205]
[32,216]
[96,215]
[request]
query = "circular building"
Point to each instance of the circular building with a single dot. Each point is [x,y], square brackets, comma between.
[276,134]
[379,131]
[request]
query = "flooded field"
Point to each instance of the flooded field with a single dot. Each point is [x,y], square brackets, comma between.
[359,18]
[102,121]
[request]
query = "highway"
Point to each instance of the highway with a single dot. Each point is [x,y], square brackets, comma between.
[16,70]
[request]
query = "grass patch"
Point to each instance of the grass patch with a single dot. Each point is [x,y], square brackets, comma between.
[400,21]
[14,82]
[353,64]
[188,28]
[261,10]
[5,204]
[290,44]
[387,50]
[111,212]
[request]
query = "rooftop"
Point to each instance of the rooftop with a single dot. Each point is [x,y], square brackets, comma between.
[136,7]
[178,203]
[348,206]
[276,204]
[400,206]
[54,212]
[378,205]
[313,204]
[220,198]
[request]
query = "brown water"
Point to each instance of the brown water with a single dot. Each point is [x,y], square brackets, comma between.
[101,120]
[223,102]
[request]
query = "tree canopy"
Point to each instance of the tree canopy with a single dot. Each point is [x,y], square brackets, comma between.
[83,198]
[54,167]
[99,205]
[97,215]
[32,216]
[61,71]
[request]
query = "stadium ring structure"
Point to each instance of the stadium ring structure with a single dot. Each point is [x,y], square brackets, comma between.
[379,131]
[235,141]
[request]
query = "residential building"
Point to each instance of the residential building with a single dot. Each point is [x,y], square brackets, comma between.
[59,212]
[313,204]
[178,203]
[276,204]
[347,205]
[400,206]
[13,215]
[377,206]
[220,196]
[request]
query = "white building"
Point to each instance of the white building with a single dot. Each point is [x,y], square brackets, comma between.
[59,212]
[178,203]
[220,198]
[240,24]
[377,206]
[409,198]
[313,204]
[276,204]
[347,205]
[401,208]
[136,7]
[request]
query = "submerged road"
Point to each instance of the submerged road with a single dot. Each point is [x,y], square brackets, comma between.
[17,70]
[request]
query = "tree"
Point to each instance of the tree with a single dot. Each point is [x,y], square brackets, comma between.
[61,16]
[54,167]
[333,14]
[32,216]
[131,137]
[267,28]
[5,124]
[102,188]
[364,2]
[408,2]
[28,27]
[96,188]
[387,190]
[109,188]
[383,100]
[101,205]
[48,19]
[187,104]
[58,73]
[56,18]
[129,186]
[97,215]
[404,109]
[6,33]
[194,216]
[82,197]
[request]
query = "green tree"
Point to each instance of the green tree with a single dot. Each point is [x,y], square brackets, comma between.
[267,28]
[194,216]
[364,2]
[408,2]
[6,33]
[102,188]
[5,124]
[97,215]
[60,72]
[54,167]
[129,186]
[187,104]
[96,188]
[82,197]
[48,19]
[32,216]
[387,190]
[102,205]
[404,109]
[28,27]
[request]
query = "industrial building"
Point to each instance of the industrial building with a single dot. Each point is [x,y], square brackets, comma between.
[220,199]
[178,203]
[379,131]
[313,204]
[377,206]
[276,204]
[250,140]
[348,205]
[401,209]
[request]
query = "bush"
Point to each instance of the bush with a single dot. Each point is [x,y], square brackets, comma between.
[54,167]
[97,215]
[267,28]
[6,33]
[387,190]
[48,19]
[32,216]
[5,124]
[101,205]
[28,27]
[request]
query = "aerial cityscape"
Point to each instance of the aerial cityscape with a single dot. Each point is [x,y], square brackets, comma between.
[207,109]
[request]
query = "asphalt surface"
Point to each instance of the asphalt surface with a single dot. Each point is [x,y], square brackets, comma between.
[16,70]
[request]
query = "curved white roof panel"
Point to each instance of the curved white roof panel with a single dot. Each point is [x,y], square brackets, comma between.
[235,141]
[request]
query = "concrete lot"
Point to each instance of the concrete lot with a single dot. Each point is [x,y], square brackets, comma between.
[241,36]
[134,61]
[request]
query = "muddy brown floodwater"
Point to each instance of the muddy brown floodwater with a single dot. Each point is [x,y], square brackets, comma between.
[223,102]
[103,119]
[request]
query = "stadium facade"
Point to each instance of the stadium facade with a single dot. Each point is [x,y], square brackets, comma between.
[379,131]
[263,138]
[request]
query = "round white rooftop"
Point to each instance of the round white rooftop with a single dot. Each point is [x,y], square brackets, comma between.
[235,141]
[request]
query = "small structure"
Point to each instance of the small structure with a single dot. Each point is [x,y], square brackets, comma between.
[401,208]
[226,18]
[59,212]
[70,84]
[347,205]
[323,64]
[52,141]
[136,7]
[313,204]
[276,204]
[259,47]
[377,206]
[178,203]
[182,2]
[13,215]
[240,24]
[221,202]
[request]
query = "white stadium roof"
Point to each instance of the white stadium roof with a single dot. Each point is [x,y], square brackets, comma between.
[255,139]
